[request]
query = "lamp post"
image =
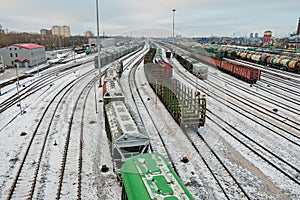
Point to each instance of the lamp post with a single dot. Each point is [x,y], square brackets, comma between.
[98,45]
[17,61]
[173,24]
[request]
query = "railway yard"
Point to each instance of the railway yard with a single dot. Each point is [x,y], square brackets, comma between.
[55,142]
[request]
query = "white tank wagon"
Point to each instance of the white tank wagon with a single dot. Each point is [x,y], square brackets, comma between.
[126,138]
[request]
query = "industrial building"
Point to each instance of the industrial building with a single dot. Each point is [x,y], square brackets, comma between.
[26,54]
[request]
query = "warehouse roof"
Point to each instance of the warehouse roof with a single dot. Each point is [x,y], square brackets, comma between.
[28,46]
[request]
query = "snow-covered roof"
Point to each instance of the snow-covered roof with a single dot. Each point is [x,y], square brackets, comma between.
[123,129]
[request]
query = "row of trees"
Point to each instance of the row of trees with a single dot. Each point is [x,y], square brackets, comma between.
[50,42]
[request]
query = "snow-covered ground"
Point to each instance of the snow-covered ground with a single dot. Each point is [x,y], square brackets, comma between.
[257,177]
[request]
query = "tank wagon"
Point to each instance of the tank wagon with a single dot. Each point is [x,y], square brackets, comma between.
[150,176]
[272,58]
[282,62]
[111,56]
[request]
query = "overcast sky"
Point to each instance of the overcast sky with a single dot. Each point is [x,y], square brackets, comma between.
[154,17]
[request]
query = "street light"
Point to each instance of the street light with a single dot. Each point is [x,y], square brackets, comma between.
[173,24]
[98,45]
[17,61]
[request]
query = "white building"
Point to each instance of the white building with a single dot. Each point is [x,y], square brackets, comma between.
[27,55]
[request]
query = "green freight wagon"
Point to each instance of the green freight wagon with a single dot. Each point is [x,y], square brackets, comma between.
[149,177]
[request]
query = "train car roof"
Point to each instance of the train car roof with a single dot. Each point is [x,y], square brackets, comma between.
[111,73]
[112,88]
[124,131]
[150,176]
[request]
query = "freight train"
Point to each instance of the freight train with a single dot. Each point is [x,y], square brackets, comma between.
[186,106]
[192,65]
[243,72]
[189,63]
[126,137]
[271,60]
[150,176]
[215,57]
[113,55]
[279,60]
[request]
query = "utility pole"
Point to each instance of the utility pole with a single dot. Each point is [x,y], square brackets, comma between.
[98,45]
[17,61]
[173,25]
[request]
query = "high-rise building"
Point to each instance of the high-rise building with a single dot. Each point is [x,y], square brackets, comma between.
[45,32]
[63,31]
[251,35]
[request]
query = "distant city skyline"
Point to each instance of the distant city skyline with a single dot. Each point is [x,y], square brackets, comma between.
[201,18]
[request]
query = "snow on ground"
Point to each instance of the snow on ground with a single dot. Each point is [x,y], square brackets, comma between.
[96,146]
[98,185]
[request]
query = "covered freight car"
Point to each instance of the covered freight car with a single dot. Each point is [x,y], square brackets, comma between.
[110,56]
[192,65]
[112,90]
[126,138]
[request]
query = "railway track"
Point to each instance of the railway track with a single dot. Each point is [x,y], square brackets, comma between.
[283,131]
[275,160]
[137,99]
[230,187]
[286,168]
[30,88]
[290,82]
[24,184]
[221,173]
[266,111]
[74,141]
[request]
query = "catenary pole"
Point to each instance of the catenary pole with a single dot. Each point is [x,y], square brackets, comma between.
[98,45]
[173,25]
